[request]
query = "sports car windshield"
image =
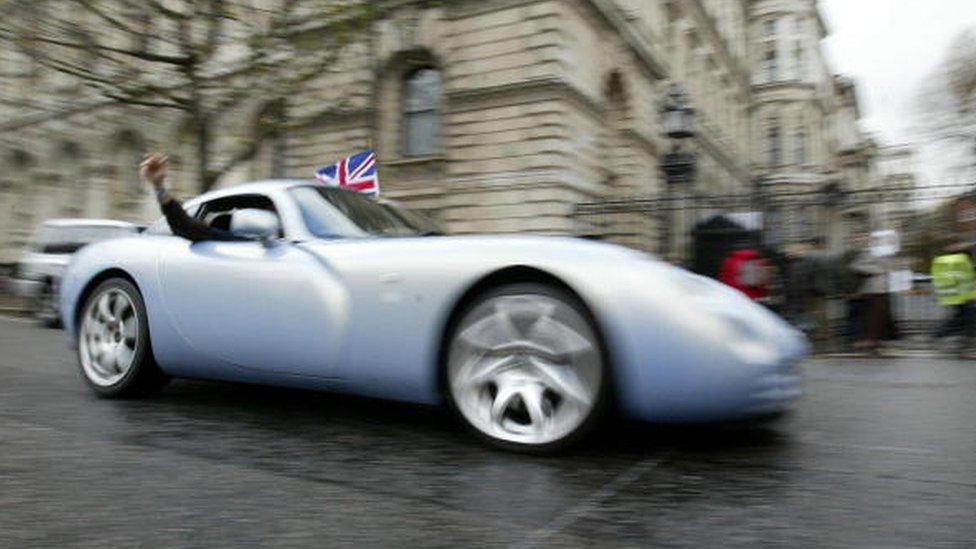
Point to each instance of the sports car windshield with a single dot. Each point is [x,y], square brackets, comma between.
[335,213]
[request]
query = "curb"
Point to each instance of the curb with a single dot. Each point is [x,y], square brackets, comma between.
[892,354]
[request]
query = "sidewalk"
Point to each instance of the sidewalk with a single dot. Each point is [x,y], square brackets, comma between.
[913,346]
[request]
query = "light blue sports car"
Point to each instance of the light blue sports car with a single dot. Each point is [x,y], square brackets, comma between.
[530,339]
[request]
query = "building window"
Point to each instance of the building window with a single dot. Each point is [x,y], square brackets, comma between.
[774,149]
[800,147]
[422,104]
[799,61]
[770,65]
[769,28]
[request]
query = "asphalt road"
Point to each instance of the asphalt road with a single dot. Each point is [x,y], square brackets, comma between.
[881,453]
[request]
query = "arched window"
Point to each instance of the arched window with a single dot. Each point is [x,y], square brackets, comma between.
[421,112]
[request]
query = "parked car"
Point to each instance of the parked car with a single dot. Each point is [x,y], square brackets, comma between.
[530,339]
[38,273]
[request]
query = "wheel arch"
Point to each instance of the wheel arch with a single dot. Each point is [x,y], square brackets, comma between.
[513,275]
[93,283]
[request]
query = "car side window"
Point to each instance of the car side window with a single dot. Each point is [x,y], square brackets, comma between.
[217,212]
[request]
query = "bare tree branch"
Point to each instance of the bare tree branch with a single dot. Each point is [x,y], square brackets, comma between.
[91,7]
[145,56]
[208,59]
[144,102]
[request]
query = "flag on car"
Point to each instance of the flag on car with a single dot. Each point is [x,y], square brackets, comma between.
[357,172]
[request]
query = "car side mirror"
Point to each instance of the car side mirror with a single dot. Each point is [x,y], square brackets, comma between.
[255,224]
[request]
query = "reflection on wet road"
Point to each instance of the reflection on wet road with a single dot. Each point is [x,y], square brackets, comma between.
[880,453]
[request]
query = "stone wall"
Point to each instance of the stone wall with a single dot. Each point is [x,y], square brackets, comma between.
[545,104]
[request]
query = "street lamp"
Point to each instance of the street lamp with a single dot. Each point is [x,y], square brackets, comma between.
[678,165]
[679,118]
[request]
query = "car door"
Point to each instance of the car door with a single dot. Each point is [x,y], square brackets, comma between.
[269,307]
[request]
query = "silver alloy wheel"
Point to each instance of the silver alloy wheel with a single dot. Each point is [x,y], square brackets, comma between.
[525,368]
[108,338]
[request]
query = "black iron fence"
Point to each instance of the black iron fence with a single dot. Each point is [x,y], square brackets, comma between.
[834,197]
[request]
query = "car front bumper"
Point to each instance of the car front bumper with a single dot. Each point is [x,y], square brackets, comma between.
[688,377]
[775,391]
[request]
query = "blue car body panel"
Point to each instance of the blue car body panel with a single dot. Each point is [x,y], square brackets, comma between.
[369,315]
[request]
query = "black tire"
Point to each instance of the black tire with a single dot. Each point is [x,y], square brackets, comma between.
[143,377]
[583,323]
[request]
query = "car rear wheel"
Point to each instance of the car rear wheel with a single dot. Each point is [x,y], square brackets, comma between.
[525,368]
[113,342]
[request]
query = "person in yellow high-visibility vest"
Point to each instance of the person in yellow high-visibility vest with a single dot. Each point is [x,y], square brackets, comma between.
[955,286]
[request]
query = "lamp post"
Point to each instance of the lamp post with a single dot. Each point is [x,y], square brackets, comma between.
[678,165]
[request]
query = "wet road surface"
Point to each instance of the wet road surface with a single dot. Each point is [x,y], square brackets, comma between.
[880,453]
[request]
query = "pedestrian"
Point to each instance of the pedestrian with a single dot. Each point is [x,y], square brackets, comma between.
[819,268]
[955,286]
[748,271]
[873,265]
[848,284]
[795,281]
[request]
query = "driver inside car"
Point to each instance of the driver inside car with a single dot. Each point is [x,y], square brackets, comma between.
[153,171]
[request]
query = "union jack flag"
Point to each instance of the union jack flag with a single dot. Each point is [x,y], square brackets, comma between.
[357,173]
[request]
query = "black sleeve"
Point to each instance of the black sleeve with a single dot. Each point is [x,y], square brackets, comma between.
[193,229]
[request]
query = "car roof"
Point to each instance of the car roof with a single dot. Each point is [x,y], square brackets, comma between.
[81,222]
[255,187]
[267,186]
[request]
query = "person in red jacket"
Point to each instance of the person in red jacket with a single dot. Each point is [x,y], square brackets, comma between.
[748,271]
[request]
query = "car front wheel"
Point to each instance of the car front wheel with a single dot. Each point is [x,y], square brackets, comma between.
[113,342]
[525,368]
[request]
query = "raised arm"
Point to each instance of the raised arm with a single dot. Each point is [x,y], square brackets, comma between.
[153,171]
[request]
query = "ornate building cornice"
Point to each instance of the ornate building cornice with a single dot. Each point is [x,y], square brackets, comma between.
[610,12]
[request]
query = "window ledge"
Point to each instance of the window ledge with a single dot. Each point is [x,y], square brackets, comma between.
[783,82]
[415,160]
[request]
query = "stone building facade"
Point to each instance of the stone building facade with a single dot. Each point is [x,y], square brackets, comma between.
[794,148]
[493,115]
[856,165]
[896,172]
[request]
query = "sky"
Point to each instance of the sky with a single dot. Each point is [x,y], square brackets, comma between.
[890,47]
